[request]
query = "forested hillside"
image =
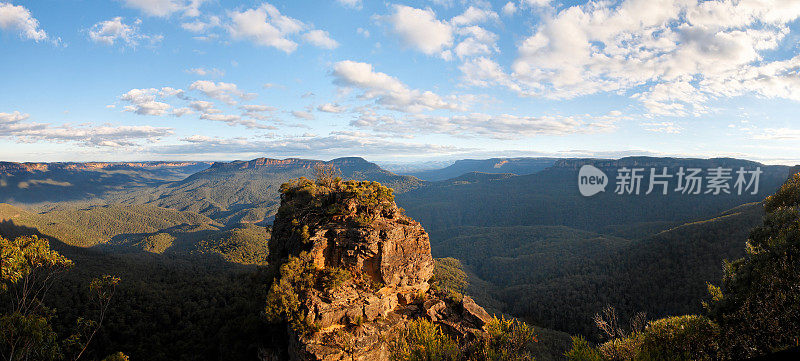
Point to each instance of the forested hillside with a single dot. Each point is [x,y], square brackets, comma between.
[559,277]
[247,192]
[58,182]
[531,245]
[137,228]
[551,197]
[519,166]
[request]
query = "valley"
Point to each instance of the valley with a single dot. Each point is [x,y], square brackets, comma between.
[533,248]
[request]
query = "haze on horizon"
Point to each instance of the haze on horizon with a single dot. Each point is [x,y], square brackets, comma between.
[134,80]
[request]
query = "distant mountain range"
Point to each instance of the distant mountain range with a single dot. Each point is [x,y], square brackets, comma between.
[533,245]
[551,197]
[248,191]
[518,166]
[59,182]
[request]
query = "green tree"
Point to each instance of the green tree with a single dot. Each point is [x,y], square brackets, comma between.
[756,307]
[27,270]
[28,267]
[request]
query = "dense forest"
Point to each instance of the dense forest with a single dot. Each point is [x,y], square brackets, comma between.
[161,277]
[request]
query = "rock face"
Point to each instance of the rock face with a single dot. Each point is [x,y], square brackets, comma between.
[357,227]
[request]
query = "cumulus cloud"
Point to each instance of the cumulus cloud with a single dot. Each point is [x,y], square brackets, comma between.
[145,101]
[387,90]
[99,136]
[201,26]
[485,72]
[203,106]
[265,26]
[13,125]
[331,108]
[478,41]
[165,8]
[17,18]
[509,8]
[301,114]
[680,52]
[12,118]
[116,31]
[321,39]
[179,112]
[419,28]
[474,15]
[225,92]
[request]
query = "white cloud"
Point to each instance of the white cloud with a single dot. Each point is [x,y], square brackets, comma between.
[203,106]
[98,136]
[19,19]
[206,72]
[11,118]
[473,16]
[165,8]
[265,26]
[12,125]
[335,144]
[331,108]
[509,8]
[502,126]
[421,29]
[354,4]
[234,120]
[252,108]
[779,134]
[478,42]
[179,112]
[537,3]
[300,114]
[225,92]
[201,26]
[387,90]
[485,72]
[115,30]
[363,32]
[320,38]
[681,52]
[144,101]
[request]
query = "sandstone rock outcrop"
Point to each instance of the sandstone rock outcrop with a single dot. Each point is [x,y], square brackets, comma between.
[374,264]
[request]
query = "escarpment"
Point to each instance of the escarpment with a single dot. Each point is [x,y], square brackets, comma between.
[352,270]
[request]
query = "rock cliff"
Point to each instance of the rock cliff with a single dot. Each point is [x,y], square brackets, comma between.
[359,270]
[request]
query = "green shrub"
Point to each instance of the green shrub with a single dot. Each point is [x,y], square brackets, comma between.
[423,341]
[622,349]
[333,277]
[508,340]
[680,338]
[582,351]
[284,298]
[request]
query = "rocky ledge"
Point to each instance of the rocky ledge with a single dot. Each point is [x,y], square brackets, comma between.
[353,271]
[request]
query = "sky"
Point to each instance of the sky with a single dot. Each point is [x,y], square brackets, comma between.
[398,81]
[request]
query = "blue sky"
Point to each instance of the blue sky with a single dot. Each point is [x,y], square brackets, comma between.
[398,81]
